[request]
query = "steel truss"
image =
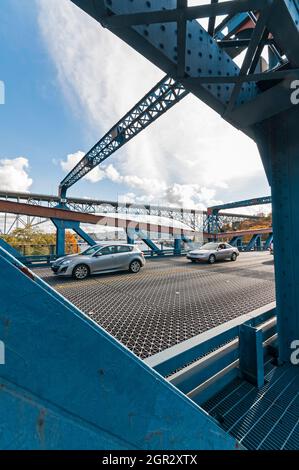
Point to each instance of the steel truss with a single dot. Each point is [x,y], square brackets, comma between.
[195,219]
[160,99]
[228,86]
[214,220]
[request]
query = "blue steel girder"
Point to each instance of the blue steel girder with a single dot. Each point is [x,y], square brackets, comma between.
[145,112]
[279,147]
[234,33]
[230,25]
[236,241]
[156,30]
[61,227]
[268,242]
[245,203]
[67,384]
[239,27]
[284,25]
[7,247]
[156,36]
[171,38]
[130,237]
[229,37]
[159,100]
[151,245]
[177,246]
[218,81]
[213,223]
[254,242]
[251,354]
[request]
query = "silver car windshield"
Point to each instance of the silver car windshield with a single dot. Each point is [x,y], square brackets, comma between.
[210,246]
[91,251]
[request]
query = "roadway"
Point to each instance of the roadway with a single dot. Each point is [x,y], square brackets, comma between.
[171,300]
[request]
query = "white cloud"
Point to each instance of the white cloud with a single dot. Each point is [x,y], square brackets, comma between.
[191,195]
[14,175]
[151,189]
[190,152]
[113,174]
[71,160]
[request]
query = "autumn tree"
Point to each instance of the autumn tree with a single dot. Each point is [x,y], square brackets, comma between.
[33,241]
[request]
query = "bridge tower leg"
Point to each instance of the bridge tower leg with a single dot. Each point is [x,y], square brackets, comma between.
[130,237]
[259,244]
[268,242]
[60,238]
[61,227]
[177,246]
[279,147]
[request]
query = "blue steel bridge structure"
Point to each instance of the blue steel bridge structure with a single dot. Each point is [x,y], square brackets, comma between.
[28,209]
[66,383]
[213,223]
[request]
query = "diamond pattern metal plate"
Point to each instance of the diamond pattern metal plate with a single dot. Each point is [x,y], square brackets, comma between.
[171,300]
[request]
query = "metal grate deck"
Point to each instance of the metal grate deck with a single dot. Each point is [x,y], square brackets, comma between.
[265,419]
[170,300]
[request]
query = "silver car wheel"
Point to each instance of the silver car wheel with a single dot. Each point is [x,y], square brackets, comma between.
[81,272]
[234,257]
[135,267]
[212,259]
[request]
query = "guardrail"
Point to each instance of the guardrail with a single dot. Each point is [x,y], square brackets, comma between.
[42,249]
[43,255]
[203,365]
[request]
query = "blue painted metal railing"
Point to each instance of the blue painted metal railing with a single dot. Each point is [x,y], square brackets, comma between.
[67,384]
[39,259]
[203,365]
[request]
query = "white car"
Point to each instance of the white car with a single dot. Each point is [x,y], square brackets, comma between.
[212,252]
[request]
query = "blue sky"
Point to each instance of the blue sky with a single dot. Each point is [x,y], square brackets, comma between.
[68,81]
[36,120]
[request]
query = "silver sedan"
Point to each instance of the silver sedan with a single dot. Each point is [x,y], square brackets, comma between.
[100,259]
[212,252]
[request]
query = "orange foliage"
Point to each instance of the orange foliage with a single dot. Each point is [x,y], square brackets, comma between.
[71,243]
[249,224]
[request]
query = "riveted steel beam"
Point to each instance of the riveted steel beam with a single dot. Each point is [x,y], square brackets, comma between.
[284,26]
[212,89]
[170,15]
[252,52]
[157,40]
[248,202]
[254,77]
[10,207]
[212,21]
[157,30]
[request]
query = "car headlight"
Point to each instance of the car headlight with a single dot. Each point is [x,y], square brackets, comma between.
[64,263]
